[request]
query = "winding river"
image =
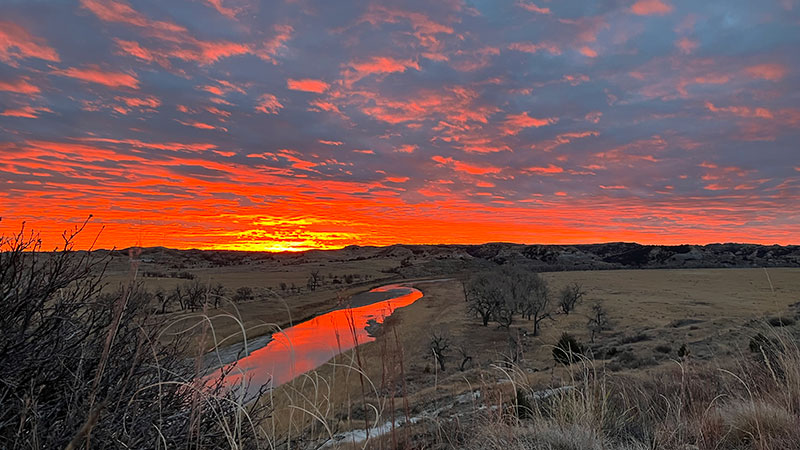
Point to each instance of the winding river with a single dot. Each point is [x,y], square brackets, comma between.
[308,345]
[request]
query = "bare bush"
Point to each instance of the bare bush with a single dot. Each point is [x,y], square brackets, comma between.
[440,345]
[598,321]
[243,294]
[85,369]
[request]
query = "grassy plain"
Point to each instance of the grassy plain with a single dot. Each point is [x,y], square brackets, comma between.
[714,313]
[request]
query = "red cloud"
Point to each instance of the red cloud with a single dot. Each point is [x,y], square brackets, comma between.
[397,179]
[464,167]
[17,43]
[651,7]
[20,86]
[326,142]
[771,72]
[514,123]
[307,85]
[93,74]
[268,104]
[549,170]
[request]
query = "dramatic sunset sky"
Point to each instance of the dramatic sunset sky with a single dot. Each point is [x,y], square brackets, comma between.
[295,124]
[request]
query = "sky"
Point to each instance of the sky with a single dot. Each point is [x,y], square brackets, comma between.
[298,124]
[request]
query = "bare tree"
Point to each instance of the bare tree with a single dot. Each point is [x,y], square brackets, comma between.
[505,311]
[439,345]
[217,293]
[162,298]
[177,296]
[196,294]
[314,280]
[465,358]
[569,297]
[598,321]
[484,294]
[532,296]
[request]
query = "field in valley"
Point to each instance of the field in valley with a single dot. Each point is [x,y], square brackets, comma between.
[712,313]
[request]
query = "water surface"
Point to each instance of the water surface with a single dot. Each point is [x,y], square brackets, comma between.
[310,344]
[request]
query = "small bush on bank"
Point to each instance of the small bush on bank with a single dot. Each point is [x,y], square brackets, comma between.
[567,349]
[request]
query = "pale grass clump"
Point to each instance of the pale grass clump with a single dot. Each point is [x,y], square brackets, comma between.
[756,424]
[751,405]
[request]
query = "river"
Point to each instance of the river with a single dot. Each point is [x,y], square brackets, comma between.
[310,344]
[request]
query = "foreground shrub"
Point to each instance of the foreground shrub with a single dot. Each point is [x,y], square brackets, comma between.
[567,349]
[82,369]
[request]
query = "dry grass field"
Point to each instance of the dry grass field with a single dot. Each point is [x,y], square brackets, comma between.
[653,313]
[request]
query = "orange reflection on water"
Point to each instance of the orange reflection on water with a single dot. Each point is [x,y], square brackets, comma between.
[308,345]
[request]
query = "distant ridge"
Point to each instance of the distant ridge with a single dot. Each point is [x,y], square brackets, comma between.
[417,259]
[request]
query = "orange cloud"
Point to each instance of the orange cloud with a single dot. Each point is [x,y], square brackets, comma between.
[588,52]
[770,72]
[19,86]
[377,65]
[17,43]
[307,85]
[334,143]
[460,166]
[283,33]
[29,112]
[122,12]
[134,49]
[686,45]
[93,74]
[227,12]
[407,148]
[425,30]
[145,102]
[515,123]
[528,6]
[742,111]
[269,104]
[176,42]
[200,125]
[548,170]
[651,7]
